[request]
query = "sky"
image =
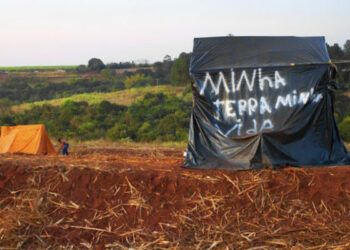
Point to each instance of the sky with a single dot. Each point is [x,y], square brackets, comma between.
[70,32]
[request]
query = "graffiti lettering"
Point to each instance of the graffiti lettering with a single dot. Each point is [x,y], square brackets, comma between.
[244,79]
[235,111]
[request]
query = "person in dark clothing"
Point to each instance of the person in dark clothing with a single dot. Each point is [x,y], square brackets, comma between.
[64,145]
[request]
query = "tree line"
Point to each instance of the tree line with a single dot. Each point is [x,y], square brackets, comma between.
[155,117]
[21,89]
[342,100]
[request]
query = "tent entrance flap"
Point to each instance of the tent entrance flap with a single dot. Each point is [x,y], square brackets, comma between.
[262,101]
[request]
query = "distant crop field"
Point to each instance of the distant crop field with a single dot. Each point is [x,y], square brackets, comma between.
[29,68]
[122,97]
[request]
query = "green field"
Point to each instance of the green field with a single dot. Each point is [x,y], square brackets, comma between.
[122,97]
[25,68]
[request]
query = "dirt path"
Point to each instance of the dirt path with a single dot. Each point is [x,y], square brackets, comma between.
[142,198]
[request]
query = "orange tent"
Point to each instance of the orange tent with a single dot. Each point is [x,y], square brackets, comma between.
[28,139]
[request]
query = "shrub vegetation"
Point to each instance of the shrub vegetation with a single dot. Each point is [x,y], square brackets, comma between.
[154,117]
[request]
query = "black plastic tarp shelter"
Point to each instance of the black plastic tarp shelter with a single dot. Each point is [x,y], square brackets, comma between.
[262,102]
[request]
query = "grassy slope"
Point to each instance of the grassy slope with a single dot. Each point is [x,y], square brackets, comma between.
[123,97]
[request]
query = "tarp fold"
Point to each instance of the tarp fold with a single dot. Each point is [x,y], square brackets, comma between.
[262,102]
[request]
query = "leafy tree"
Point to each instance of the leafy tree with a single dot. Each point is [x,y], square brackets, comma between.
[108,73]
[82,69]
[180,71]
[173,127]
[347,49]
[167,58]
[144,133]
[118,131]
[335,51]
[344,128]
[138,80]
[155,117]
[88,130]
[121,65]
[24,90]
[5,106]
[7,120]
[162,71]
[95,65]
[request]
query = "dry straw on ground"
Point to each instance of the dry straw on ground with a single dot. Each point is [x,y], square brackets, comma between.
[143,199]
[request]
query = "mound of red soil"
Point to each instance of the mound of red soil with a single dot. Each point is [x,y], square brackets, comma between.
[115,198]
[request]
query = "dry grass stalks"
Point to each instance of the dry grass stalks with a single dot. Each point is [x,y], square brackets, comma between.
[117,202]
[23,219]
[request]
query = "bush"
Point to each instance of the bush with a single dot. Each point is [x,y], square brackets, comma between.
[108,73]
[145,132]
[88,130]
[117,132]
[21,90]
[180,71]
[155,117]
[137,80]
[82,69]
[173,127]
[96,65]
[344,128]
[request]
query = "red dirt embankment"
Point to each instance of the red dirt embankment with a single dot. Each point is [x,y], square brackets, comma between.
[116,198]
